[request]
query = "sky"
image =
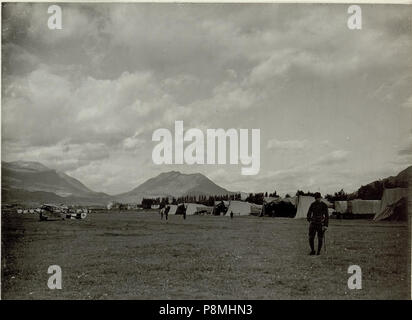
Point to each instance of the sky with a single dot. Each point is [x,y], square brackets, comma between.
[333,105]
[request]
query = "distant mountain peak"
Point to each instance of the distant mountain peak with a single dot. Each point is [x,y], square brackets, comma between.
[30,181]
[174,184]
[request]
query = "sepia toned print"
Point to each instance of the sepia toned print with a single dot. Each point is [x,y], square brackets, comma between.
[206,151]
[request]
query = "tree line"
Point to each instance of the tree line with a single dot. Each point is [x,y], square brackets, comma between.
[200,199]
[372,191]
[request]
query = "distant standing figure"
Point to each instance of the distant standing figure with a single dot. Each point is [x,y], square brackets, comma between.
[184,213]
[167,212]
[231,214]
[161,213]
[318,217]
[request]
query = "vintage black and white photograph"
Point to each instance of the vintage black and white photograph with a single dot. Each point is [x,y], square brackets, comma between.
[206,151]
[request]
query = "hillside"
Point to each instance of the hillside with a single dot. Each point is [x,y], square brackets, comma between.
[374,190]
[174,184]
[32,182]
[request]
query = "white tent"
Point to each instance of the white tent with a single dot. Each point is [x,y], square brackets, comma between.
[302,207]
[389,198]
[240,208]
[193,208]
[204,210]
[359,206]
[303,204]
[341,206]
[173,209]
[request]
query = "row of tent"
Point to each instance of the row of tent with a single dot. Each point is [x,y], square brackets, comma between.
[191,209]
[238,208]
[390,207]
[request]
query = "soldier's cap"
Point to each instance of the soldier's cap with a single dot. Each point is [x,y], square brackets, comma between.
[318,195]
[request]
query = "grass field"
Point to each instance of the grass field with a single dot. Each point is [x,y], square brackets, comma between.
[138,256]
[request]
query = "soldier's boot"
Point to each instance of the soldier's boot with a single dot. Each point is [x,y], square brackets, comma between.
[320,243]
[312,246]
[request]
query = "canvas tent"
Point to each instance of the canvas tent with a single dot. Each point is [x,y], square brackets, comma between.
[291,200]
[191,208]
[219,208]
[391,205]
[397,211]
[303,204]
[240,208]
[341,206]
[364,207]
[204,210]
[279,207]
[173,209]
[390,196]
[195,208]
[226,203]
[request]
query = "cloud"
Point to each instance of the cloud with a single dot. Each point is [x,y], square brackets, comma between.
[88,98]
[407,151]
[408,103]
[335,157]
[131,143]
[62,156]
[287,144]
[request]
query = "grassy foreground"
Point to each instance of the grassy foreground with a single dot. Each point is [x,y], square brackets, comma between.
[137,256]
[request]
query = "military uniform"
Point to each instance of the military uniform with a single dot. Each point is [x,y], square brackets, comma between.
[318,217]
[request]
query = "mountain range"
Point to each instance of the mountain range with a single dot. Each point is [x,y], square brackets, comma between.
[26,182]
[34,183]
